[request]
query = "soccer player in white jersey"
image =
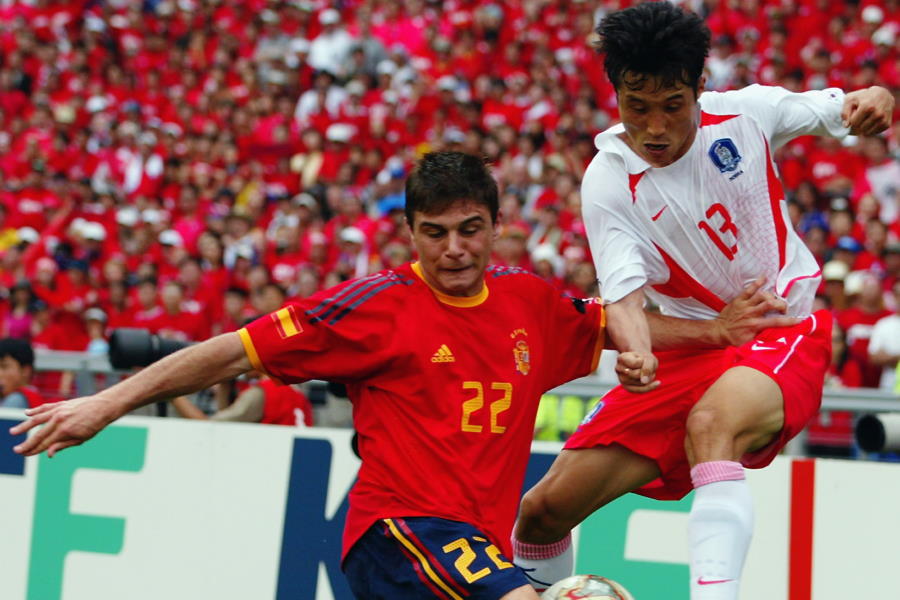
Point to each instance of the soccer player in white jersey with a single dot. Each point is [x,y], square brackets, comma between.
[683,206]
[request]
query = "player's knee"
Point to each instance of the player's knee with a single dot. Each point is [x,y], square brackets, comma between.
[704,422]
[540,520]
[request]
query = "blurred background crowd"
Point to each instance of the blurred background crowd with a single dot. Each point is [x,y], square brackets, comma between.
[184,165]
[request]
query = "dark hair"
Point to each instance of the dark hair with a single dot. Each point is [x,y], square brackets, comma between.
[653,40]
[237,291]
[18,349]
[190,259]
[442,178]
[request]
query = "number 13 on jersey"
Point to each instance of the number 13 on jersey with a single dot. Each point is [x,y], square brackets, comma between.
[719,222]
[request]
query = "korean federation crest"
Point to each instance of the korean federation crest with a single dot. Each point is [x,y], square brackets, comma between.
[725,155]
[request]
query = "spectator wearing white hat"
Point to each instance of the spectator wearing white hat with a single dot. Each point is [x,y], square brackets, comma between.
[548,264]
[143,166]
[330,49]
[354,258]
[27,235]
[833,274]
[173,252]
[354,110]
[95,322]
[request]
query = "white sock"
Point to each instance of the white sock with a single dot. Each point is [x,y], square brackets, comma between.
[719,530]
[545,564]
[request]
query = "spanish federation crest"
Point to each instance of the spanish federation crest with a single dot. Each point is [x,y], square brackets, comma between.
[523,357]
[725,155]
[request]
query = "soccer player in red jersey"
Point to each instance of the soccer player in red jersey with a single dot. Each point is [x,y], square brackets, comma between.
[445,360]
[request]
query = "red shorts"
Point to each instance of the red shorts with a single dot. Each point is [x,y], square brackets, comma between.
[653,424]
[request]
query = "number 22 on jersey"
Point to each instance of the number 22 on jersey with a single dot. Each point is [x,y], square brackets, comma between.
[497,405]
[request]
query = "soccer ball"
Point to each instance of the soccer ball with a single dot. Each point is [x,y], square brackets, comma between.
[586,587]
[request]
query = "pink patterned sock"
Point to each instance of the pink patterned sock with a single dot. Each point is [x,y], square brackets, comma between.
[716,470]
[545,564]
[541,551]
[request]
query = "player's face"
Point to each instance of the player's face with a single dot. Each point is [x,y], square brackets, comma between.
[454,247]
[12,375]
[660,122]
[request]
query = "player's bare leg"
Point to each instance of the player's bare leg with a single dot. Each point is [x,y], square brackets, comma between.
[578,483]
[741,412]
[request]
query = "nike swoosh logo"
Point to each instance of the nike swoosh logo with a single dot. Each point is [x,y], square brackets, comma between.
[757,346]
[656,216]
[702,581]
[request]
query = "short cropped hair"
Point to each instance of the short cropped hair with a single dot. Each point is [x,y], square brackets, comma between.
[653,40]
[18,349]
[442,178]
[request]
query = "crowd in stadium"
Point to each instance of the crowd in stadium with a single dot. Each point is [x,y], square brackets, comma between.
[184,165]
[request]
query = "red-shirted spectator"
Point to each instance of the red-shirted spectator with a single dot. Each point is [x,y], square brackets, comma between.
[265,402]
[864,293]
[147,309]
[179,320]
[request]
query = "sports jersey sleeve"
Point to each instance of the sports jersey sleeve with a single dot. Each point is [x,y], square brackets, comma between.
[783,114]
[309,340]
[575,336]
[615,245]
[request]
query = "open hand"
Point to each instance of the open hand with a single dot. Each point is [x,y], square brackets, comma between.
[65,424]
[751,312]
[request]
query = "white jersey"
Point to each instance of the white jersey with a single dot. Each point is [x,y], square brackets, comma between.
[693,234]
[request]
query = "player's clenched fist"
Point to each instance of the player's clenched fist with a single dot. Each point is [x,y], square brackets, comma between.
[868,111]
[637,371]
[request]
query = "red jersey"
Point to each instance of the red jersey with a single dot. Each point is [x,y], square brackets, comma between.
[285,405]
[445,389]
[858,325]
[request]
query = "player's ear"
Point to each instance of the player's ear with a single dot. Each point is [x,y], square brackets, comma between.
[701,85]
[496,224]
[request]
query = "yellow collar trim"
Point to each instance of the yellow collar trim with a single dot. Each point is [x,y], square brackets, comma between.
[458,301]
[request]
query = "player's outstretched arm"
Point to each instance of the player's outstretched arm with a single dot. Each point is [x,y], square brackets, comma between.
[73,422]
[868,111]
[753,310]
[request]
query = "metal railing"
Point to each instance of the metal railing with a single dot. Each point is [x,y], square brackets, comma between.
[850,399]
[858,401]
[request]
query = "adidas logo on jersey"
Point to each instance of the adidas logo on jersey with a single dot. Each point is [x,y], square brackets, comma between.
[443,355]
